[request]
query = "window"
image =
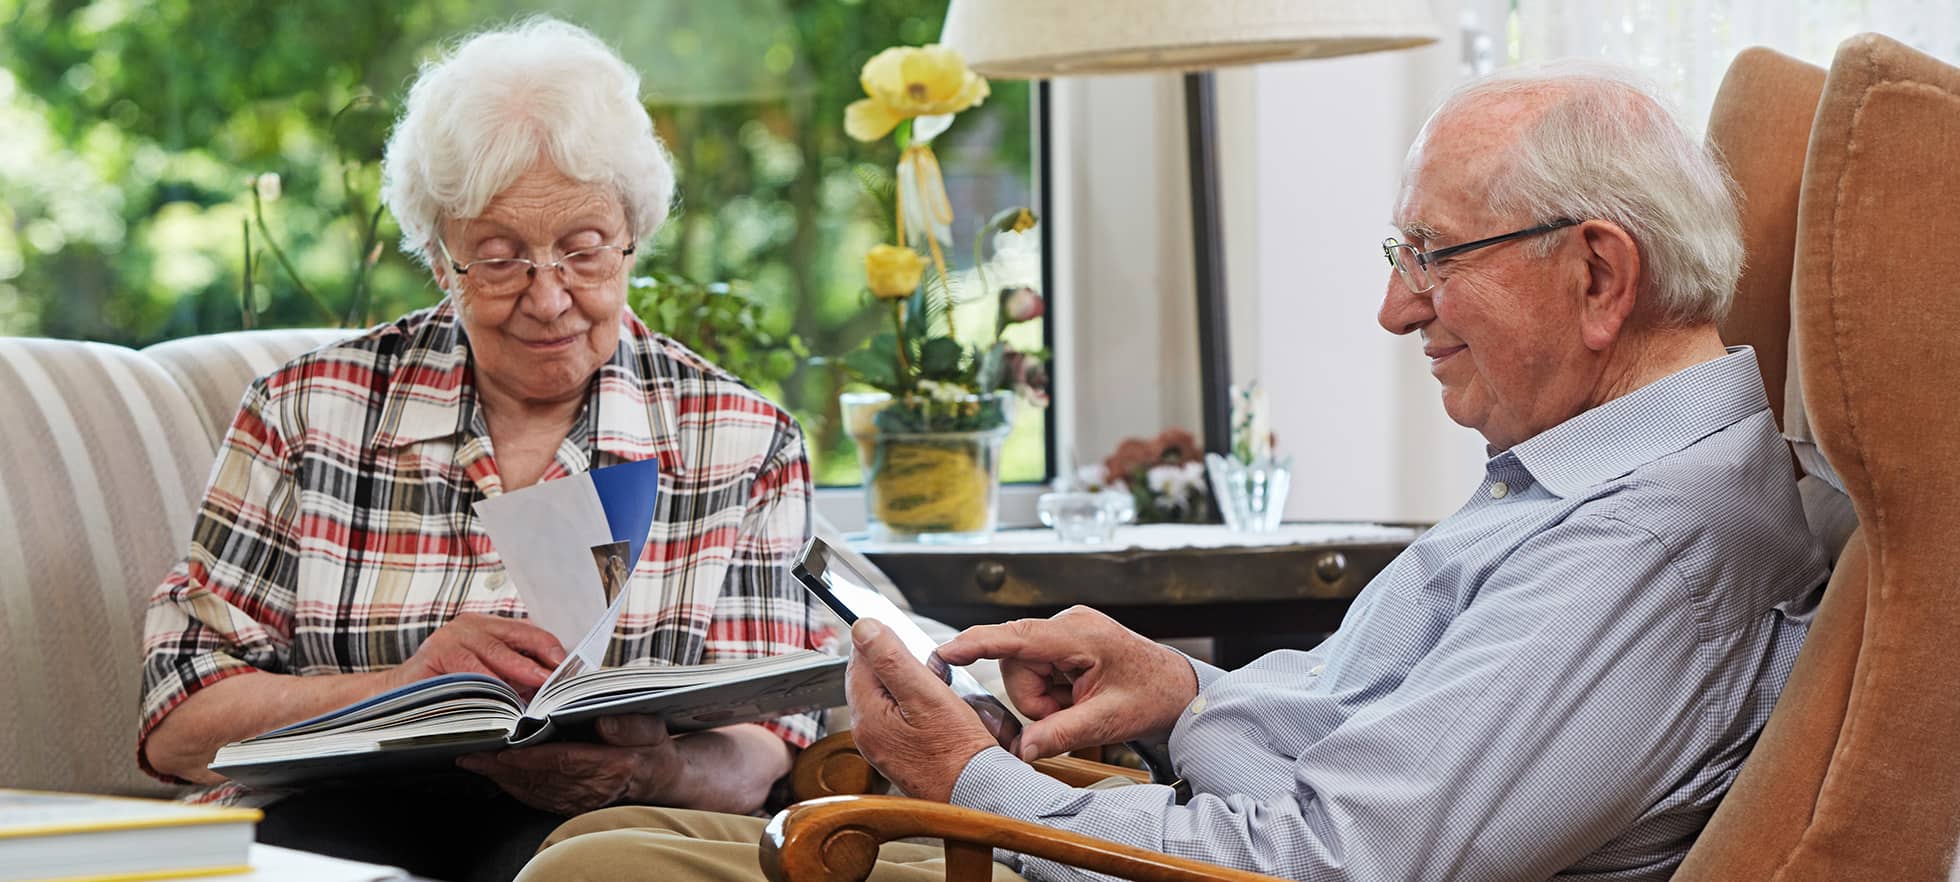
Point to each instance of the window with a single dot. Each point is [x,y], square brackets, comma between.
[1685,46]
[126,177]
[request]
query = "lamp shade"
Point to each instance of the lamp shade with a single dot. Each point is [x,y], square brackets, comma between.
[1036,39]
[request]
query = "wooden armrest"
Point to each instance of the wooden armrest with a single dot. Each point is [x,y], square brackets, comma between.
[1077,772]
[833,767]
[836,840]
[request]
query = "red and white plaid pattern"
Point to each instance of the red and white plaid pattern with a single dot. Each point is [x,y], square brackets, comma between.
[336,532]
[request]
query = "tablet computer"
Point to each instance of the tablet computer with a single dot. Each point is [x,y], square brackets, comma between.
[841,579]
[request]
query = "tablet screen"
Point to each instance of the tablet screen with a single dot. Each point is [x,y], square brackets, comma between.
[837,577]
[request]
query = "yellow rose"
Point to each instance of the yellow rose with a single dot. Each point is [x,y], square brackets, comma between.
[909,81]
[893,271]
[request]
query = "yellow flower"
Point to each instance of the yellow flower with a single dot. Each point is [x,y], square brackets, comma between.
[909,81]
[893,271]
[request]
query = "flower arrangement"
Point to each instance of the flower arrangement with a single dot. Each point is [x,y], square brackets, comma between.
[1164,475]
[1252,430]
[1251,484]
[930,447]
[938,382]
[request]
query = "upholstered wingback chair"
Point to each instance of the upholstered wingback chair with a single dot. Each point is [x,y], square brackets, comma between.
[1857,775]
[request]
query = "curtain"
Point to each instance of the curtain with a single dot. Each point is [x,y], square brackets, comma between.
[1685,46]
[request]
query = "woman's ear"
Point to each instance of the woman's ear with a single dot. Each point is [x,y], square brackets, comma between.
[444,276]
[1612,280]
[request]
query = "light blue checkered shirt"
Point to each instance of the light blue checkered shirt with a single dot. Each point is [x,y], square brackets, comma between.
[1560,679]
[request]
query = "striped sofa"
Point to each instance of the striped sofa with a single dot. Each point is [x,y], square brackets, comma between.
[104,451]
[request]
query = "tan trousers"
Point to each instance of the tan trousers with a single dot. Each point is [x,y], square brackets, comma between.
[681,845]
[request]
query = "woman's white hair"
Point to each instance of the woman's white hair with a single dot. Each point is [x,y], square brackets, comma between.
[1606,147]
[482,113]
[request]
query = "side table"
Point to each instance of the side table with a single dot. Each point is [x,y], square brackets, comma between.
[1252,592]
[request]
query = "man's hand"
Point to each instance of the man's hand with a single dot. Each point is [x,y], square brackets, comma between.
[1084,679]
[512,650]
[636,762]
[907,723]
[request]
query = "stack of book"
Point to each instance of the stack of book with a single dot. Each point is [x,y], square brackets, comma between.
[64,836]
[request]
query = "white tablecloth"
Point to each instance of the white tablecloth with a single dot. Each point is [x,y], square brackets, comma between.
[1156,537]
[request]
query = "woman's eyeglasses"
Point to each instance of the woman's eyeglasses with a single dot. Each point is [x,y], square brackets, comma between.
[505,276]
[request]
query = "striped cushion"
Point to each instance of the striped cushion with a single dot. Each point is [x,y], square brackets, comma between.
[214,369]
[104,457]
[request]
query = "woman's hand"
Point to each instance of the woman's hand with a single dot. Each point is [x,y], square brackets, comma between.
[1083,678]
[727,770]
[636,762]
[512,650]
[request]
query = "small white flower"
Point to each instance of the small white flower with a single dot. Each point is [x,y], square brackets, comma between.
[1094,477]
[1170,481]
[946,393]
[268,186]
[1017,260]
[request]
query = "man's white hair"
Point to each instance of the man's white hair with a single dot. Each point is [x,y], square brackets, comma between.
[1605,146]
[482,113]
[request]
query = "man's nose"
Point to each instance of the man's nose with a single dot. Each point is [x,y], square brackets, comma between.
[1402,310]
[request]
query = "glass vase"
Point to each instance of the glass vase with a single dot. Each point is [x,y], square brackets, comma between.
[1251,496]
[928,486]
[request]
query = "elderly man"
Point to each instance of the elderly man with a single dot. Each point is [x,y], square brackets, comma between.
[1559,680]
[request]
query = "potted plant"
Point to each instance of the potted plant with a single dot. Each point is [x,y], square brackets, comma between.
[929,437]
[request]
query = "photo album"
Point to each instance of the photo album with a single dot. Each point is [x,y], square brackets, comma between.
[568,546]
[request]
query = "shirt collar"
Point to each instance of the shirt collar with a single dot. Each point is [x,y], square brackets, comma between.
[430,394]
[1660,418]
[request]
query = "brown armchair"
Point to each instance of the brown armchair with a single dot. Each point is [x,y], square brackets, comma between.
[1856,775]
[1849,202]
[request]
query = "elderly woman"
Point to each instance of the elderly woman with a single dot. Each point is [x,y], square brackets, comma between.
[335,555]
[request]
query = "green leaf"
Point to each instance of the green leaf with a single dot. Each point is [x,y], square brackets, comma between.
[939,359]
[778,364]
[873,369]
[992,371]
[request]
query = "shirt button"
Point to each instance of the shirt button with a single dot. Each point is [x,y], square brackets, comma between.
[1499,490]
[1197,705]
[1316,670]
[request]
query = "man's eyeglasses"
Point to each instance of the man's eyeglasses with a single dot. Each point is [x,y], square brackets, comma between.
[1414,266]
[506,276]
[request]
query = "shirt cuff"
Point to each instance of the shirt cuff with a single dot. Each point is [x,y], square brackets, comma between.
[994,781]
[1207,674]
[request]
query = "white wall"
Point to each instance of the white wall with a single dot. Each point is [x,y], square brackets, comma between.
[1311,154]
[1122,224]
[1327,142]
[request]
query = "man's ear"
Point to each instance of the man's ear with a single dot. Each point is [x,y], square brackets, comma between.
[1612,280]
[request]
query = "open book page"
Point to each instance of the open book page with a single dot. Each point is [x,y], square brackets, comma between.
[690,697]
[589,653]
[470,708]
[582,685]
[545,534]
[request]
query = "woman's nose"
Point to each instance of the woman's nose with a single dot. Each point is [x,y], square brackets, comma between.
[546,297]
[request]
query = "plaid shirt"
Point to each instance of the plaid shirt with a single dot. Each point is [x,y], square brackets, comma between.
[336,533]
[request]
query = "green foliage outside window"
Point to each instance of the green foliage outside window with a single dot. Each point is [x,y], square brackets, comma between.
[135,132]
